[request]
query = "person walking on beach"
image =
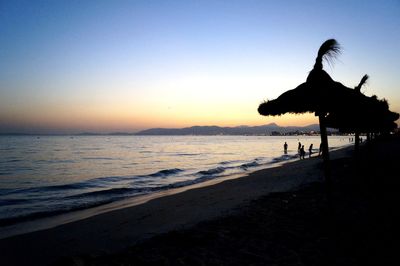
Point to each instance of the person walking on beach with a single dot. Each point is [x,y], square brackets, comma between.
[285,147]
[299,148]
[302,152]
[310,150]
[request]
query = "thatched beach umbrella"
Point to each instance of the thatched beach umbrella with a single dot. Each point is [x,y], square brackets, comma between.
[320,94]
[348,122]
[369,115]
[345,108]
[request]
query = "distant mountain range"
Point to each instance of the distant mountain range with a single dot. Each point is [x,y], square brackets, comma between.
[269,129]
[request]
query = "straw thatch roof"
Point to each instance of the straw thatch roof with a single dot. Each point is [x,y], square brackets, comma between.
[313,98]
[319,94]
[369,114]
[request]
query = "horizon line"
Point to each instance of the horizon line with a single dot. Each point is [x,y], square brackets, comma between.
[72,132]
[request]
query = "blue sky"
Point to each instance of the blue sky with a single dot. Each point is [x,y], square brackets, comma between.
[129,65]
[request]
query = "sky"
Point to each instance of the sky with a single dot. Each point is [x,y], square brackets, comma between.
[106,66]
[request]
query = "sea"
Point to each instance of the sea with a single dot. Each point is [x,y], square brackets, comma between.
[42,176]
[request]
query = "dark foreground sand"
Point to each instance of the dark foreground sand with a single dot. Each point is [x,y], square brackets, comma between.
[252,220]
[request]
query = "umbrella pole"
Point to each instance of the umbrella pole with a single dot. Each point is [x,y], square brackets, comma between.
[325,154]
[356,142]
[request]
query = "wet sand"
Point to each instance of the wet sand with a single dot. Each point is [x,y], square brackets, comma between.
[250,220]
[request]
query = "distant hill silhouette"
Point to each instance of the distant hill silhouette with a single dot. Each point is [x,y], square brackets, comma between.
[239,130]
[194,130]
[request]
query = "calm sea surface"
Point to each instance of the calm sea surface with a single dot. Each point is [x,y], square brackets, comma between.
[43,176]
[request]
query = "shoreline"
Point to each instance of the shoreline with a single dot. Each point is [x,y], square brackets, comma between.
[49,222]
[73,216]
[117,229]
[50,188]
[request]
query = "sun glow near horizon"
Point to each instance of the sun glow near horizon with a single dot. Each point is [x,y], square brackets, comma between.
[142,115]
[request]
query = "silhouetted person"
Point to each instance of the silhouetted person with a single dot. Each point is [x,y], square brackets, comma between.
[302,152]
[285,147]
[310,150]
[299,148]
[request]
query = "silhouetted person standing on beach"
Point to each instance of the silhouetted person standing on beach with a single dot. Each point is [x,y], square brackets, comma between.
[299,148]
[302,152]
[285,147]
[310,150]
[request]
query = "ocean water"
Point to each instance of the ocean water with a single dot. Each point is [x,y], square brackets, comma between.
[49,175]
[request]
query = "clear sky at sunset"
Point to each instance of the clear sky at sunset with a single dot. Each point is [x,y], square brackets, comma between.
[72,66]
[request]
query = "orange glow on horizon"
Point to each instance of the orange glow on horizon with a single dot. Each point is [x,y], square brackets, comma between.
[106,114]
[107,121]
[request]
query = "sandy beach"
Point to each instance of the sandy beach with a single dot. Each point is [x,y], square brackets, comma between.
[232,222]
